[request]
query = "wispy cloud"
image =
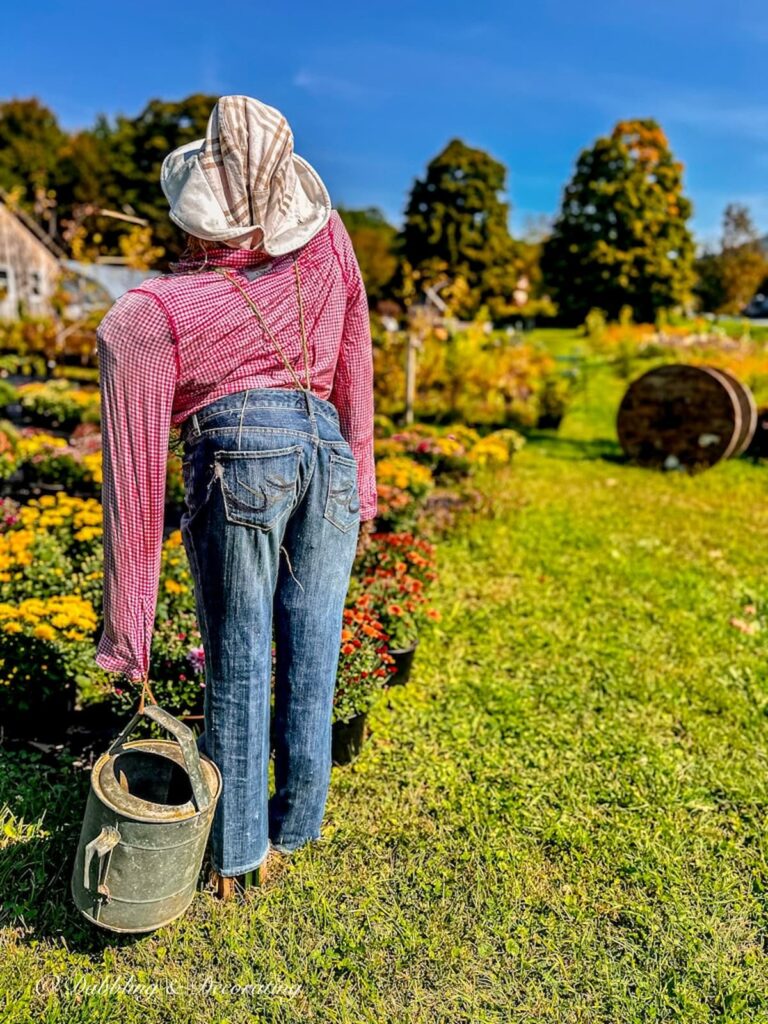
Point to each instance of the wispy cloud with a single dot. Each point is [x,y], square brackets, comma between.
[712,115]
[211,79]
[424,71]
[331,86]
[709,111]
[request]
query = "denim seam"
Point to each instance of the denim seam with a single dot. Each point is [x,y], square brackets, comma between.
[330,505]
[240,515]
[310,473]
[253,404]
[279,398]
[200,610]
[343,459]
[333,420]
[288,847]
[242,413]
[204,501]
[331,417]
[265,430]
[323,442]
[255,453]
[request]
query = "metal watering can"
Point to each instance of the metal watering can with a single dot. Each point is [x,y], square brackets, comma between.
[146,826]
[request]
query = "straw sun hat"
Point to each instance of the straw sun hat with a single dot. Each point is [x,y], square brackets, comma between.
[243,184]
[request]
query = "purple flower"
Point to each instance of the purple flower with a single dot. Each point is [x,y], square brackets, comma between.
[196,658]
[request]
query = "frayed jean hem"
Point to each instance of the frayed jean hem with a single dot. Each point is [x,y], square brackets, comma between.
[287,848]
[242,870]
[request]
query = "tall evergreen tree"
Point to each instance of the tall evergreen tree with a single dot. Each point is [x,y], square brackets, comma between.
[622,236]
[456,229]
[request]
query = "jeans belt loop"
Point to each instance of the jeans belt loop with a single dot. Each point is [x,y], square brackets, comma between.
[195,425]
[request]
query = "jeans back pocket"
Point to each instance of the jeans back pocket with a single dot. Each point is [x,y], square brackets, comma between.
[258,487]
[342,503]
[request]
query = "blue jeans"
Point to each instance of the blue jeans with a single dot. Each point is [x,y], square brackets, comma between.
[270,529]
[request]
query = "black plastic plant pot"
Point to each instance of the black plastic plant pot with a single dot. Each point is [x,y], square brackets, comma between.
[47,720]
[403,662]
[549,421]
[384,526]
[347,739]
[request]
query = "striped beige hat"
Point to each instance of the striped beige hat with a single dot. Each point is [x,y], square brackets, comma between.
[243,184]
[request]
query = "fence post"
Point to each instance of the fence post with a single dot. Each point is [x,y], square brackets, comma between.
[410,376]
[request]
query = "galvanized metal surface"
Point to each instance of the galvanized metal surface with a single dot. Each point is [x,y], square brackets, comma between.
[146,825]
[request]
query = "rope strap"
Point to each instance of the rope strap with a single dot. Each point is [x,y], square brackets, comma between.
[145,692]
[254,307]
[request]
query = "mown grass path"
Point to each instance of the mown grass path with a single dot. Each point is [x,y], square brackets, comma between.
[561,818]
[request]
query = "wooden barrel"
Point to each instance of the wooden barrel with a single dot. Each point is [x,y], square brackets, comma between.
[748,408]
[680,417]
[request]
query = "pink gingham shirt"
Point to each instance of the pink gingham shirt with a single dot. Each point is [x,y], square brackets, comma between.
[179,341]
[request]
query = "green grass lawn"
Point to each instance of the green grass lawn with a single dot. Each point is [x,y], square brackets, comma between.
[561,817]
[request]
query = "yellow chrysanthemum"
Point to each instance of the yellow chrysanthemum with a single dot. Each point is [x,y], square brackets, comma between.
[404,473]
[44,632]
[88,533]
[93,464]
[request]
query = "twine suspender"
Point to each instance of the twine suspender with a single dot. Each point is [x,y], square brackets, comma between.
[252,304]
[145,692]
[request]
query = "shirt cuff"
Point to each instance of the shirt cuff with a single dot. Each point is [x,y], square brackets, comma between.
[109,658]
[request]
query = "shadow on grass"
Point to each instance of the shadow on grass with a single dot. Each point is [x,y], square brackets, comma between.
[42,802]
[577,450]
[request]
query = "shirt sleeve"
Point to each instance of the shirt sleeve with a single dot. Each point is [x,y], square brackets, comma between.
[137,381]
[352,391]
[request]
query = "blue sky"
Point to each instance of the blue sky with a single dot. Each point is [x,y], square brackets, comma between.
[373,90]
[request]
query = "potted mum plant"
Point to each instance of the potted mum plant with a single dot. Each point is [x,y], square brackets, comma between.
[364,664]
[445,455]
[396,569]
[45,651]
[402,486]
[176,672]
[401,607]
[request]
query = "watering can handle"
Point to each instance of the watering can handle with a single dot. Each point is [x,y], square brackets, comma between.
[105,841]
[186,740]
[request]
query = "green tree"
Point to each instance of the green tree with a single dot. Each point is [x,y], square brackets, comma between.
[456,231]
[82,178]
[374,240]
[31,144]
[136,147]
[621,237]
[69,180]
[728,279]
